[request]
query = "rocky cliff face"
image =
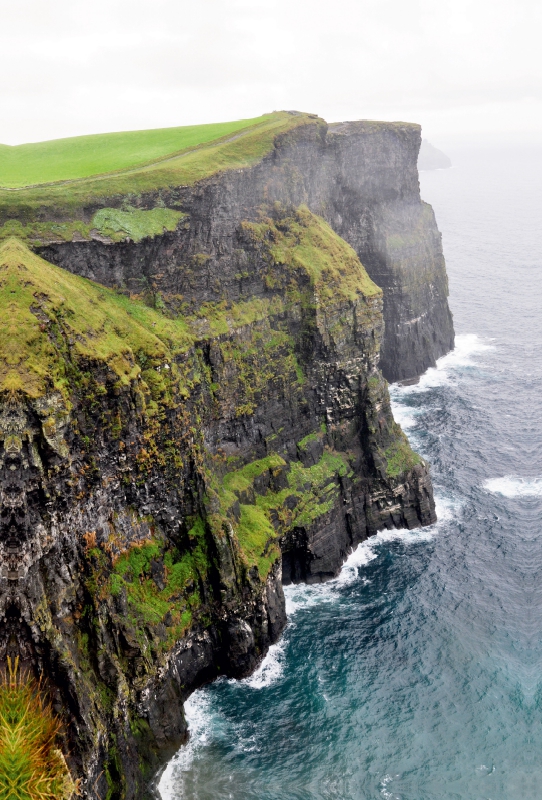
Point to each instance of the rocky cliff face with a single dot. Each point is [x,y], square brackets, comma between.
[212,425]
[359,176]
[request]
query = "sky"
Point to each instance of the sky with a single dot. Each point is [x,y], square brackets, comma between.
[461,68]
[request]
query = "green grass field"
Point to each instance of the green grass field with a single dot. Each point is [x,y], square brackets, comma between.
[84,156]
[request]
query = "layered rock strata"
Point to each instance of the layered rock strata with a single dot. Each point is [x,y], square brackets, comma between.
[204,422]
[359,176]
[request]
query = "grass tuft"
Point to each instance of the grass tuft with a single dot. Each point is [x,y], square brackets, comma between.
[31,765]
[400,458]
[134,223]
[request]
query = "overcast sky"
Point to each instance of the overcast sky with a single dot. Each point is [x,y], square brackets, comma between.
[456,66]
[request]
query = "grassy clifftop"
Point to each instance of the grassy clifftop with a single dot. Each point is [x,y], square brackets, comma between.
[84,156]
[72,176]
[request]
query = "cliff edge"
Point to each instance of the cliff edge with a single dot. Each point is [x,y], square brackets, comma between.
[193,413]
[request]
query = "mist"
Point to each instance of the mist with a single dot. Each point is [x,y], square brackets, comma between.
[461,69]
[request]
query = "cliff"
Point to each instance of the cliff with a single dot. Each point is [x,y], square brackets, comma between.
[430,157]
[359,176]
[193,413]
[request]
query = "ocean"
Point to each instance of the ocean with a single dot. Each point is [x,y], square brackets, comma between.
[417,673]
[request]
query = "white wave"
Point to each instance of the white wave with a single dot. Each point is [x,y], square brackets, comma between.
[200,721]
[203,723]
[360,557]
[302,595]
[403,414]
[447,508]
[270,670]
[466,346]
[306,595]
[513,486]
[406,536]
[383,783]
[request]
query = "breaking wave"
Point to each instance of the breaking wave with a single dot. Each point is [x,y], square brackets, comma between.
[513,486]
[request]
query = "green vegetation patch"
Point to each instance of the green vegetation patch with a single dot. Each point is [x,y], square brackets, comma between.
[305,442]
[255,363]
[316,487]
[214,319]
[160,583]
[257,539]
[83,156]
[400,457]
[135,223]
[49,316]
[45,232]
[307,245]
[31,765]
[243,479]
[310,492]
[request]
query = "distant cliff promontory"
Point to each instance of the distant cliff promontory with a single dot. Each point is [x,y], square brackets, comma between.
[432,158]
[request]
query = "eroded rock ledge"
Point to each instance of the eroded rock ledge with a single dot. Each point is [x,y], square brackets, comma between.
[172,452]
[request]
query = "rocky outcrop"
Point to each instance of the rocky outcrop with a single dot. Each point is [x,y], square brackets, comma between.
[214,424]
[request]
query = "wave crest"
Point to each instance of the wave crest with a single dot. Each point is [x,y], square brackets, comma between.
[514,486]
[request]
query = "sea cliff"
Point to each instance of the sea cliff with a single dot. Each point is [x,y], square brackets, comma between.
[195,411]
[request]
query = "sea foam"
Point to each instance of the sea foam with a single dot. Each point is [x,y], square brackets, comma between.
[201,724]
[467,345]
[514,486]
[302,595]
[270,670]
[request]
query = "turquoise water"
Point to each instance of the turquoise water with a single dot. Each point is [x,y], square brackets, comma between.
[416,674]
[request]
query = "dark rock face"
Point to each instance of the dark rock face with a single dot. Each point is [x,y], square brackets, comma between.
[360,176]
[85,645]
[311,555]
[147,524]
[398,242]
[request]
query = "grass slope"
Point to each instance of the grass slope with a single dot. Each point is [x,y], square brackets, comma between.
[83,156]
[49,317]
[62,202]
[300,241]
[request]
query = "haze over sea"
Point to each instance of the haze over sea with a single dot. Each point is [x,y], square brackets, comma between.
[417,674]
